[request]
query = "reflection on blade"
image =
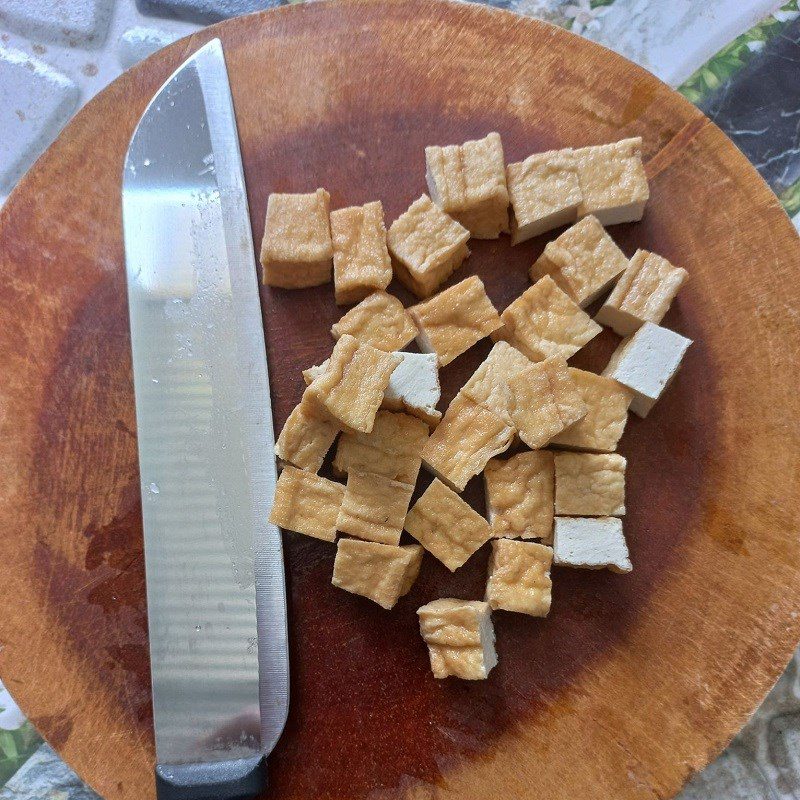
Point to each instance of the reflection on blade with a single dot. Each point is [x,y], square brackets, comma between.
[204,426]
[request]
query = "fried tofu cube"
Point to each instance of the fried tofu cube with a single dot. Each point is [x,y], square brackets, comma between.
[543,401]
[644,293]
[414,387]
[374,507]
[488,385]
[447,526]
[590,543]
[382,573]
[584,261]
[306,503]
[520,496]
[427,246]
[393,448]
[379,321]
[466,438]
[519,577]
[647,363]
[352,384]
[296,250]
[361,262]
[460,638]
[590,484]
[613,181]
[306,437]
[544,321]
[468,182]
[607,402]
[455,319]
[544,192]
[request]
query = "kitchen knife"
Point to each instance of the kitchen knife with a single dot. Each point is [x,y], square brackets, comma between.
[216,598]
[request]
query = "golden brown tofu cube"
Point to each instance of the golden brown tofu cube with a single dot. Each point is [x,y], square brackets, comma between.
[381,572]
[644,293]
[519,577]
[613,181]
[488,385]
[379,321]
[520,496]
[584,261]
[361,262]
[607,402]
[446,526]
[306,503]
[544,192]
[468,182]
[374,507]
[544,321]
[306,437]
[590,484]
[427,245]
[393,448]
[460,638]
[296,250]
[465,439]
[543,401]
[351,387]
[455,319]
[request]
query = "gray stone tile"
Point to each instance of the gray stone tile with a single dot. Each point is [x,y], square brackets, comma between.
[203,11]
[44,776]
[74,22]
[35,103]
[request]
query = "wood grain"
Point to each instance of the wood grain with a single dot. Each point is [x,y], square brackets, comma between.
[633,682]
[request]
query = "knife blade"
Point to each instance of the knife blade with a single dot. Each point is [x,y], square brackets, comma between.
[214,565]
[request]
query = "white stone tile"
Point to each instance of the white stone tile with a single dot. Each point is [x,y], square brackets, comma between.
[139,42]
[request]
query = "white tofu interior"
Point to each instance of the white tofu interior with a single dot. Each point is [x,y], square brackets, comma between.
[414,384]
[590,543]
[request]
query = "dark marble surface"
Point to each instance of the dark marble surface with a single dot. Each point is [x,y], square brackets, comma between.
[203,12]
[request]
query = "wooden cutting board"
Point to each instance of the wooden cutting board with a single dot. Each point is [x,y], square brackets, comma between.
[633,682]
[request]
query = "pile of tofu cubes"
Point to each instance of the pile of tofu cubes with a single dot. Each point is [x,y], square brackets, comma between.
[560,499]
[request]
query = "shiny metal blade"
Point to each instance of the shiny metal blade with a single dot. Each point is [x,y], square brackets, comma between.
[206,446]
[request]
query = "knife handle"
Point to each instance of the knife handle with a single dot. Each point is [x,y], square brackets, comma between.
[241,779]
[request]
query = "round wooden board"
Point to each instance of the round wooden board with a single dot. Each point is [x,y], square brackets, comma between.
[633,682]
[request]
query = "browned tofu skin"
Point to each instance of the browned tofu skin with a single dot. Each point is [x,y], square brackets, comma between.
[460,638]
[374,507]
[465,439]
[544,321]
[361,262]
[306,503]
[455,319]
[644,293]
[379,321]
[590,484]
[607,405]
[307,436]
[382,573]
[613,181]
[393,448]
[544,192]
[488,385]
[352,385]
[427,246]
[543,401]
[468,182]
[519,577]
[584,261]
[520,496]
[296,250]
[446,526]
